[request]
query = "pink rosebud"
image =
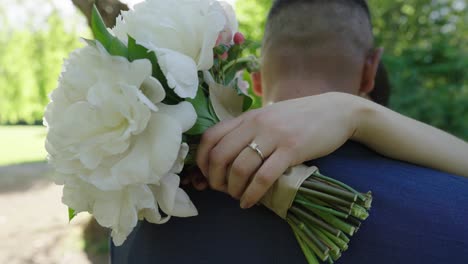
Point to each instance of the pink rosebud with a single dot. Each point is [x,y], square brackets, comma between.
[239,38]
[224,56]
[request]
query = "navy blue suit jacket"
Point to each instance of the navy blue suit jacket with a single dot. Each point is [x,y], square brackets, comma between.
[418,216]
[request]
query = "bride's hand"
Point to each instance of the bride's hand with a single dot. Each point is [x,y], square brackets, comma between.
[287,133]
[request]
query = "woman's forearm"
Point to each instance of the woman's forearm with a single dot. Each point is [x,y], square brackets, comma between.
[403,138]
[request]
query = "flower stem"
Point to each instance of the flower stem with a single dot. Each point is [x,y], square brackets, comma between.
[329,189]
[344,238]
[307,204]
[338,208]
[334,249]
[234,62]
[353,221]
[338,241]
[314,220]
[325,197]
[310,256]
[360,196]
[367,203]
[359,212]
[336,222]
[320,249]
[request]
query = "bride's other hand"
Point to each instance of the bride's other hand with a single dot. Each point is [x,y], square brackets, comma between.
[196,178]
[287,133]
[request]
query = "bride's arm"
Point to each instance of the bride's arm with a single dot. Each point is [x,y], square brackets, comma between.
[293,131]
[403,138]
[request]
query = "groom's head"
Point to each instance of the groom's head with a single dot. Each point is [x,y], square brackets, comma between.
[315,46]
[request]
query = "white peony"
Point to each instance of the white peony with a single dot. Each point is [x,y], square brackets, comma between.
[121,209]
[104,129]
[114,145]
[189,28]
[96,109]
[180,71]
[118,210]
[154,153]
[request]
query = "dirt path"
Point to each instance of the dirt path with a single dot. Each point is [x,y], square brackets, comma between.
[34,224]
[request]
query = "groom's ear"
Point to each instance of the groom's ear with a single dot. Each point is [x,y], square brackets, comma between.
[257,83]
[370,71]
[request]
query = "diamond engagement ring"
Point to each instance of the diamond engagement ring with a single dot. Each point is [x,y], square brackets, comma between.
[254,146]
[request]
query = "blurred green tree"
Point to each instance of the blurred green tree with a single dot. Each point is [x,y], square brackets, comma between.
[31,59]
[30,63]
[426,53]
[426,43]
[426,46]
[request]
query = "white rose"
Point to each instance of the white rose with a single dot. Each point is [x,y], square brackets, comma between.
[189,28]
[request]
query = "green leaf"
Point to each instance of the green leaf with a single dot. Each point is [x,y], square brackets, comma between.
[99,29]
[117,48]
[200,126]
[205,119]
[212,111]
[71,214]
[230,74]
[220,49]
[248,102]
[234,52]
[136,51]
[112,44]
[90,42]
[252,44]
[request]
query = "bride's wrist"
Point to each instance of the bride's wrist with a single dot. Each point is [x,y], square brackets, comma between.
[363,112]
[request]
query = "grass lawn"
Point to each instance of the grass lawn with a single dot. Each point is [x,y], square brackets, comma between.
[20,144]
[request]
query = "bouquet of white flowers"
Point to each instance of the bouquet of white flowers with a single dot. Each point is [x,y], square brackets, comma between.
[129,111]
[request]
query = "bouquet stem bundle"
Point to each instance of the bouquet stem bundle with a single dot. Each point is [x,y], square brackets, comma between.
[324,215]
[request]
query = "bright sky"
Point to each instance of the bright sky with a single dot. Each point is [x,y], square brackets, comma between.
[31,14]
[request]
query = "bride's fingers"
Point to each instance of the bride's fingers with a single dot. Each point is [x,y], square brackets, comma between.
[246,165]
[224,154]
[199,182]
[209,140]
[268,173]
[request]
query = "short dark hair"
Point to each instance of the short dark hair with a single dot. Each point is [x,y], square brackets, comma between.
[381,92]
[305,20]
[280,4]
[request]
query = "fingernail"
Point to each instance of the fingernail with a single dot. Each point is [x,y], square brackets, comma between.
[243,204]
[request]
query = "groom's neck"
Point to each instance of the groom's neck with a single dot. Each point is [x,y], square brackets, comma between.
[289,74]
[297,87]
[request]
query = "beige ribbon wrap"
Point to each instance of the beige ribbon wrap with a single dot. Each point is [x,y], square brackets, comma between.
[280,196]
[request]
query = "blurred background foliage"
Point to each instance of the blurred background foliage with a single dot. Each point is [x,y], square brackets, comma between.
[426,54]
[30,63]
